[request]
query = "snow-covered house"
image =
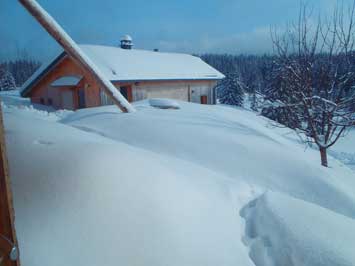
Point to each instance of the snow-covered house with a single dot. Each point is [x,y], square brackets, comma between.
[138,74]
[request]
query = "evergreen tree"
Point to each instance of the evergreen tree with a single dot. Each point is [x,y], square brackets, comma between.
[231,90]
[7,81]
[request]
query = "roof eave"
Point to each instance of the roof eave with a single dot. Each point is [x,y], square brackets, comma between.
[25,91]
[167,79]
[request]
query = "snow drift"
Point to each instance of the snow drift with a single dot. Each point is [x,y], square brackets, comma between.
[167,187]
[290,231]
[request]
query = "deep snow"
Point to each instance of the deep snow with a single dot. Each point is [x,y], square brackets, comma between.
[344,150]
[291,231]
[173,187]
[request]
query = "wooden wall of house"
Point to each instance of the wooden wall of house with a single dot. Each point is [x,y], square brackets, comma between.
[190,91]
[44,90]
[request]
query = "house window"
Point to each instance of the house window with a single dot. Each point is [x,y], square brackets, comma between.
[41,101]
[50,101]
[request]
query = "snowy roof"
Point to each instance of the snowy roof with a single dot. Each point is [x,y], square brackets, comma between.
[137,65]
[126,65]
[67,81]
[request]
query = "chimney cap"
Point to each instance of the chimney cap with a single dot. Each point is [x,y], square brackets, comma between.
[127,38]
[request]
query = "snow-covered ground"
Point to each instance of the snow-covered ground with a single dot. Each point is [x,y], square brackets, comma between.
[199,185]
[344,150]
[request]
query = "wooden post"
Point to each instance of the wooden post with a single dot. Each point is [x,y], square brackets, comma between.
[8,240]
[74,51]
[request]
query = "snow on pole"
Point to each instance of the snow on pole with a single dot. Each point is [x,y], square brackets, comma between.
[74,51]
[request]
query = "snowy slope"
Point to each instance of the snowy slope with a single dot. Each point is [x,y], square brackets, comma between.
[172,187]
[344,150]
[229,141]
[80,198]
[290,231]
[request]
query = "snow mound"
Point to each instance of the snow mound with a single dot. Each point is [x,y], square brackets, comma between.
[232,142]
[156,187]
[80,197]
[164,103]
[282,230]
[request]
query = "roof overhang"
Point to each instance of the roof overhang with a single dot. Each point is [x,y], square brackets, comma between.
[37,77]
[168,79]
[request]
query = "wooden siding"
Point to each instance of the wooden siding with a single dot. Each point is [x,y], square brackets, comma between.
[190,91]
[66,67]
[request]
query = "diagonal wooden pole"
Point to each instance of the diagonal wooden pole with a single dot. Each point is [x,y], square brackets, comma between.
[74,51]
[8,240]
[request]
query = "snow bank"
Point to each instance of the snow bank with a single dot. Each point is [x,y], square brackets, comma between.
[162,187]
[83,199]
[232,142]
[282,230]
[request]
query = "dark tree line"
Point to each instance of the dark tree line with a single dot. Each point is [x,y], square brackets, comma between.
[19,69]
[252,70]
[252,73]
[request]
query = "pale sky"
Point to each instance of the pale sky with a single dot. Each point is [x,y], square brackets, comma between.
[192,26]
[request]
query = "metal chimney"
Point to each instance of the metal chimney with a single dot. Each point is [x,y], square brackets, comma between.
[126,42]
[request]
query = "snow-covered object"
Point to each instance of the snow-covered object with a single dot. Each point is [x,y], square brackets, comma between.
[156,187]
[67,81]
[164,103]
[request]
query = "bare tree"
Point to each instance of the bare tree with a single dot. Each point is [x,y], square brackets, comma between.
[315,68]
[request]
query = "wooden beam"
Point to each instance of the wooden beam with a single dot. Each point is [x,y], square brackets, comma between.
[75,52]
[8,240]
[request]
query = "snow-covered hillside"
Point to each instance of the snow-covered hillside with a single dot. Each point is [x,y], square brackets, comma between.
[344,150]
[199,185]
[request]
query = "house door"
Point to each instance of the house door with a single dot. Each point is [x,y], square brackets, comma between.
[203,99]
[81,98]
[126,92]
[67,100]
